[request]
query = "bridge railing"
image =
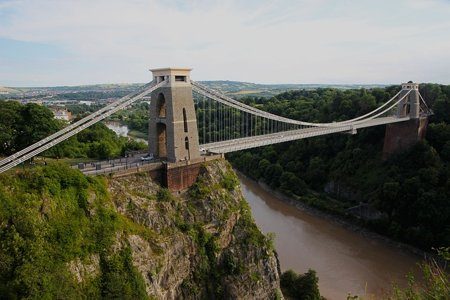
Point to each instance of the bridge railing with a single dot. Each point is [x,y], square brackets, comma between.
[120,167]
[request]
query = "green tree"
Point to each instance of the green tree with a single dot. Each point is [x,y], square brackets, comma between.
[35,123]
[292,184]
[301,287]
[389,195]
[272,175]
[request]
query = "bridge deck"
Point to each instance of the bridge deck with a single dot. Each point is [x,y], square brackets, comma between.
[291,135]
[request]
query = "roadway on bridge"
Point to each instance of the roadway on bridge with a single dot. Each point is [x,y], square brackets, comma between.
[285,136]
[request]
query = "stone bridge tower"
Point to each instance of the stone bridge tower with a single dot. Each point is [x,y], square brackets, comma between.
[410,106]
[173,134]
[400,136]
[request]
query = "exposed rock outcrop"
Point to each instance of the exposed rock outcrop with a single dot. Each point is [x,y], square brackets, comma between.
[199,244]
[87,269]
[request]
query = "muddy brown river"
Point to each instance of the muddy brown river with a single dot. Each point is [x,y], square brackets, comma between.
[345,261]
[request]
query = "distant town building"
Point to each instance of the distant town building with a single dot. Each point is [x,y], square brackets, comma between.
[34,101]
[4,90]
[38,102]
[88,103]
[62,114]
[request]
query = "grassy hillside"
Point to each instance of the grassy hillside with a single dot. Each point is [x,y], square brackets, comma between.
[51,218]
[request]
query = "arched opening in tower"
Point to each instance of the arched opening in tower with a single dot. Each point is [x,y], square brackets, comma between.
[162,140]
[405,109]
[186,146]
[185,120]
[161,106]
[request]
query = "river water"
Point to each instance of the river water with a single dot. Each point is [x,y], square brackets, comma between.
[122,130]
[345,261]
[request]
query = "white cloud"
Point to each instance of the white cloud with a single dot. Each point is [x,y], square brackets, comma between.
[259,41]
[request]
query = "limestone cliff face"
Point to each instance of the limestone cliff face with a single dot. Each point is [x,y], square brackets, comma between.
[198,244]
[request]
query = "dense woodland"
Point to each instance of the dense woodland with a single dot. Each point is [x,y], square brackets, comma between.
[22,125]
[411,189]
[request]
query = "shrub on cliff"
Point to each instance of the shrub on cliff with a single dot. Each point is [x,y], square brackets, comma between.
[434,286]
[300,286]
[436,283]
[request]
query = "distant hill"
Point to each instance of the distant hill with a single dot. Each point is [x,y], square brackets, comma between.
[236,89]
[7,90]
[96,87]
[241,89]
[84,88]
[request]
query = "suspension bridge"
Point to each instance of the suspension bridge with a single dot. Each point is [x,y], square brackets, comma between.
[183,128]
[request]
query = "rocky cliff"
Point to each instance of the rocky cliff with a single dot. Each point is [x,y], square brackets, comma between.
[68,236]
[204,243]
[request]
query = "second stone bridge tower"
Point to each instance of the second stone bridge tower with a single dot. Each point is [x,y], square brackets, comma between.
[403,135]
[173,134]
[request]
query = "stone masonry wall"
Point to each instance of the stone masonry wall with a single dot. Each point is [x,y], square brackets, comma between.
[401,136]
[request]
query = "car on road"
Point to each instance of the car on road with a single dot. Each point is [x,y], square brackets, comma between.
[148,157]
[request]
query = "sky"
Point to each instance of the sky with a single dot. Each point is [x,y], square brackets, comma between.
[72,42]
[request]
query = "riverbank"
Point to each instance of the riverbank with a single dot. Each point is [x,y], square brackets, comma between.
[340,220]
